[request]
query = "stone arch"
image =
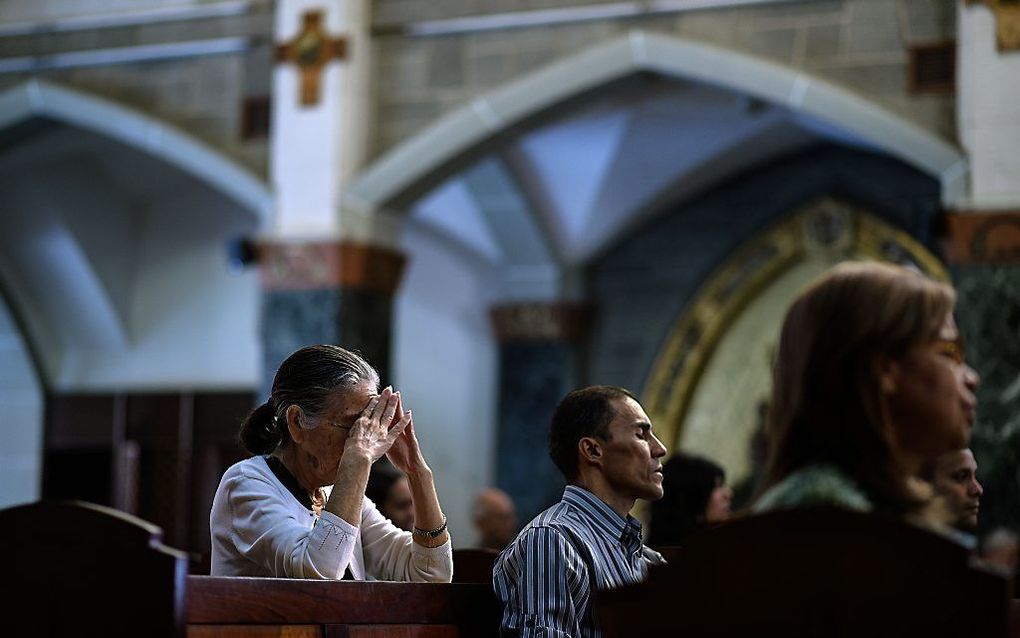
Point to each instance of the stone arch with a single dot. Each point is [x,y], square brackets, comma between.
[37,98]
[413,166]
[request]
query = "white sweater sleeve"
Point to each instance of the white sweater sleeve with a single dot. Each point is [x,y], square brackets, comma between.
[391,554]
[269,532]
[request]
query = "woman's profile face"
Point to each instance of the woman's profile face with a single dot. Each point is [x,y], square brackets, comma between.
[929,394]
[325,435]
[718,508]
[399,507]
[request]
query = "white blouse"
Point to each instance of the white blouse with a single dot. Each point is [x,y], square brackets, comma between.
[260,529]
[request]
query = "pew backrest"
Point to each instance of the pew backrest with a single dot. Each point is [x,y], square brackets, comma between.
[814,572]
[79,569]
[219,606]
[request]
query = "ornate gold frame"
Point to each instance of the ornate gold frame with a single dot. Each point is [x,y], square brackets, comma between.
[833,227]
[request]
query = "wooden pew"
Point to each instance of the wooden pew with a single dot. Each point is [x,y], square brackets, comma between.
[78,569]
[813,572]
[474,565]
[250,607]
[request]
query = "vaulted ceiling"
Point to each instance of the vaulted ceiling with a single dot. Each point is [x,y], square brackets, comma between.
[554,195]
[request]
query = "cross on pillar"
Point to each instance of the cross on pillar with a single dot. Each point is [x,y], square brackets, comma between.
[1007,22]
[311,49]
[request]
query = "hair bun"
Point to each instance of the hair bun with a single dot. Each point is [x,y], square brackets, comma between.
[260,431]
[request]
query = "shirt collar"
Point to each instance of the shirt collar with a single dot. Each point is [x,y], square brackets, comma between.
[626,530]
[288,480]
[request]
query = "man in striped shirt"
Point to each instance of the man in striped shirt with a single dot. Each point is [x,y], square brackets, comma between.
[602,441]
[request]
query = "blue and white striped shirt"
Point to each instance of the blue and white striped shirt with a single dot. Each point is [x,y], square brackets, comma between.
[544,579]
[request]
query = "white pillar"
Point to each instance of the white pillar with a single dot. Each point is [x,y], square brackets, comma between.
[315,148]
[988,95]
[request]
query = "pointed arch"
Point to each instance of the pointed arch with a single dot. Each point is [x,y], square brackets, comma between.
[408,169]
[37,98]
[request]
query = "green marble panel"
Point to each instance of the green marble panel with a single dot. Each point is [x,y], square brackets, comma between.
[988,313]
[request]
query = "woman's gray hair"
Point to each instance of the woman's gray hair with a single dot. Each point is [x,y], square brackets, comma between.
[305,379]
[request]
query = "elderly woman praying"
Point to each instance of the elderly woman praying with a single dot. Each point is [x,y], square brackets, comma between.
[297,509]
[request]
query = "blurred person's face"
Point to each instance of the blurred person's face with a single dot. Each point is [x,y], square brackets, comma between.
[718,508]
[398,506]
[497,525]
[956,482]
[929,395]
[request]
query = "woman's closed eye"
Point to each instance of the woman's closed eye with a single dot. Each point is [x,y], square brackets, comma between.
[950,349]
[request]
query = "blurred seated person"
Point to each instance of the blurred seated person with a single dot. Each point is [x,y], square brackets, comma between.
[495,518]
[999,549]
[954,476]
[695,496]
[389,490]
[869,386]
[297,509]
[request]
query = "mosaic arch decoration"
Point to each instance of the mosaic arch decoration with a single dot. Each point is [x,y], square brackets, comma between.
[704,371]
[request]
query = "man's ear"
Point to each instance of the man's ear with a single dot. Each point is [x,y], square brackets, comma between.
[887,371]
[294,416]
[590,449]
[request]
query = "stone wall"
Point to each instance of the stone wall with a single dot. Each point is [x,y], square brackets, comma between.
[857,44]
[202,96]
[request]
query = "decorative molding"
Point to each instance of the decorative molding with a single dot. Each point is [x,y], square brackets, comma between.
[541,321]
[1007,22]
[330,264]
[985,238]
[311,49]
[828,228]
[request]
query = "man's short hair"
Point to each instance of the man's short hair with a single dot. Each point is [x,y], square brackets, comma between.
[582,413]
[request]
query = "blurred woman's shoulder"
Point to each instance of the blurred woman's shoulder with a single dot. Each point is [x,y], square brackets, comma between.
[814,485]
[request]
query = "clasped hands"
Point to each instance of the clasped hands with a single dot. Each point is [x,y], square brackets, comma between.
[385,428]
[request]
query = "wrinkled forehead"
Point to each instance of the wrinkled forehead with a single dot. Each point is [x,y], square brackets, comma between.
[350,402]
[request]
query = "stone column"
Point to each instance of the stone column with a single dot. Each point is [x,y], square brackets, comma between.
[985,244]
[988,92]
[337,292]
[539,352]
[322,283]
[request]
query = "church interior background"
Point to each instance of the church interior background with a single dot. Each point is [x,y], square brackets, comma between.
[494,201]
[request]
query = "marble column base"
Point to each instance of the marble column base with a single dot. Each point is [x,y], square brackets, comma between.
[356,320]
[534,376]
[538,366]
[335,292]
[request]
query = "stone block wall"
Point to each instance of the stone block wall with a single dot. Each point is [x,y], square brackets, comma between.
[202,96]
[859,45]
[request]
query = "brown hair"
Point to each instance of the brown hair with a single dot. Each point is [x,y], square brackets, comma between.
[826,401]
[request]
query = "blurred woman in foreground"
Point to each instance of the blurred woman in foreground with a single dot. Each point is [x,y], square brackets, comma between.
[869,384]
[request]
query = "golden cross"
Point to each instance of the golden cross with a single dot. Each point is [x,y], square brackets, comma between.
[1007,22]
[311,50]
